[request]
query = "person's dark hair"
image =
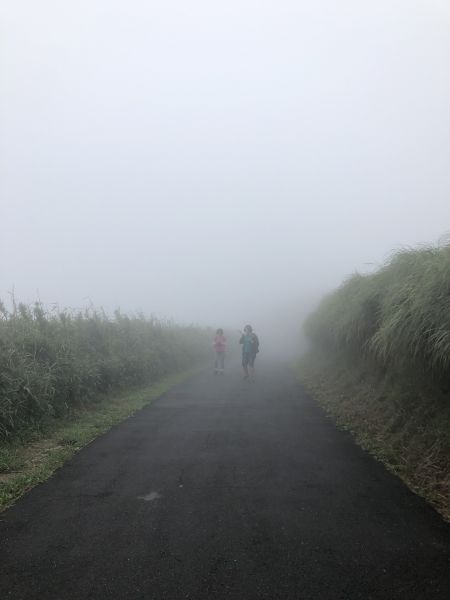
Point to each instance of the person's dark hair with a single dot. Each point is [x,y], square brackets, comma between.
[219,332]
[248,328]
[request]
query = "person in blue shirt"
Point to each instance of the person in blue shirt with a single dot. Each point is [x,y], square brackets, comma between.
[250,348]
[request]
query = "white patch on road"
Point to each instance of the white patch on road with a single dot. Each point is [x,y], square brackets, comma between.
[150,497]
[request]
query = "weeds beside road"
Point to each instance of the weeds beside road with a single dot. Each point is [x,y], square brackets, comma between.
[67,377]
[380,365]
[52,363]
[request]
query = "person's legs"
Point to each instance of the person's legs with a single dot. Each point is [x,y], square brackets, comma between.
[245,361]
[221,361]
[252,366]
[216,363]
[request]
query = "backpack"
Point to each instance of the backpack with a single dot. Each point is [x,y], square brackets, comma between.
[255,343]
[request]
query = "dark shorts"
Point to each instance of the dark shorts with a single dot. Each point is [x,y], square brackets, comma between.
[248,359]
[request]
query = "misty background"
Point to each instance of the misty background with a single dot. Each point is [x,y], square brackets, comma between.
[217,162]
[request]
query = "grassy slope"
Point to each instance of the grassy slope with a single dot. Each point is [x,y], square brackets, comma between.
[408,430]
[398,317]
[380,364]
[27,463]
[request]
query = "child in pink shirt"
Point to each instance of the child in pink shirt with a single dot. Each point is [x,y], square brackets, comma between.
[219,345]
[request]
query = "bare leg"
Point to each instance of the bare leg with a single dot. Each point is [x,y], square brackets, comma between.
[252,368]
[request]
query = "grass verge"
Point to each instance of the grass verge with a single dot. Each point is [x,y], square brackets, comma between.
[23,464]
[406,428]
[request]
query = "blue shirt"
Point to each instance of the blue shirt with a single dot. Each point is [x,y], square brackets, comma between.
[247,344]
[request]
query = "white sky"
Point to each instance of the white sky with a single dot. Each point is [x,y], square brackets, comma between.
[215,161]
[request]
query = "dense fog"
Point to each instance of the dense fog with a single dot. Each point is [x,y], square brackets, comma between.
[217,162]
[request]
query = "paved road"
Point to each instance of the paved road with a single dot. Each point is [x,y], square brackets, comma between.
[224,489]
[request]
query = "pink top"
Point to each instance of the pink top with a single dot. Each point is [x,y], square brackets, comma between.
[220,343]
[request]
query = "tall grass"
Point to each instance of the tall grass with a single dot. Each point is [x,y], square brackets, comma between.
[397,318]
[52,362]
[380,364]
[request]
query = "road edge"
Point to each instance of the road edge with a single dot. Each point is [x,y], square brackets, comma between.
[388,435]
[35,461]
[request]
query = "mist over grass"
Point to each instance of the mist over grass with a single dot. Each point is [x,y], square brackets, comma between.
[51,362]
[398,317]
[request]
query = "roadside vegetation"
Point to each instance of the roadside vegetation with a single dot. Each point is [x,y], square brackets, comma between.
[379,362]
[54,362]
[67,377]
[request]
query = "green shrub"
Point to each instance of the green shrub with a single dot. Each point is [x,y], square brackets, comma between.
[51,362]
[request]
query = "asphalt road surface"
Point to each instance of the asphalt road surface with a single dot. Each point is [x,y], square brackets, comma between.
[224,489]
